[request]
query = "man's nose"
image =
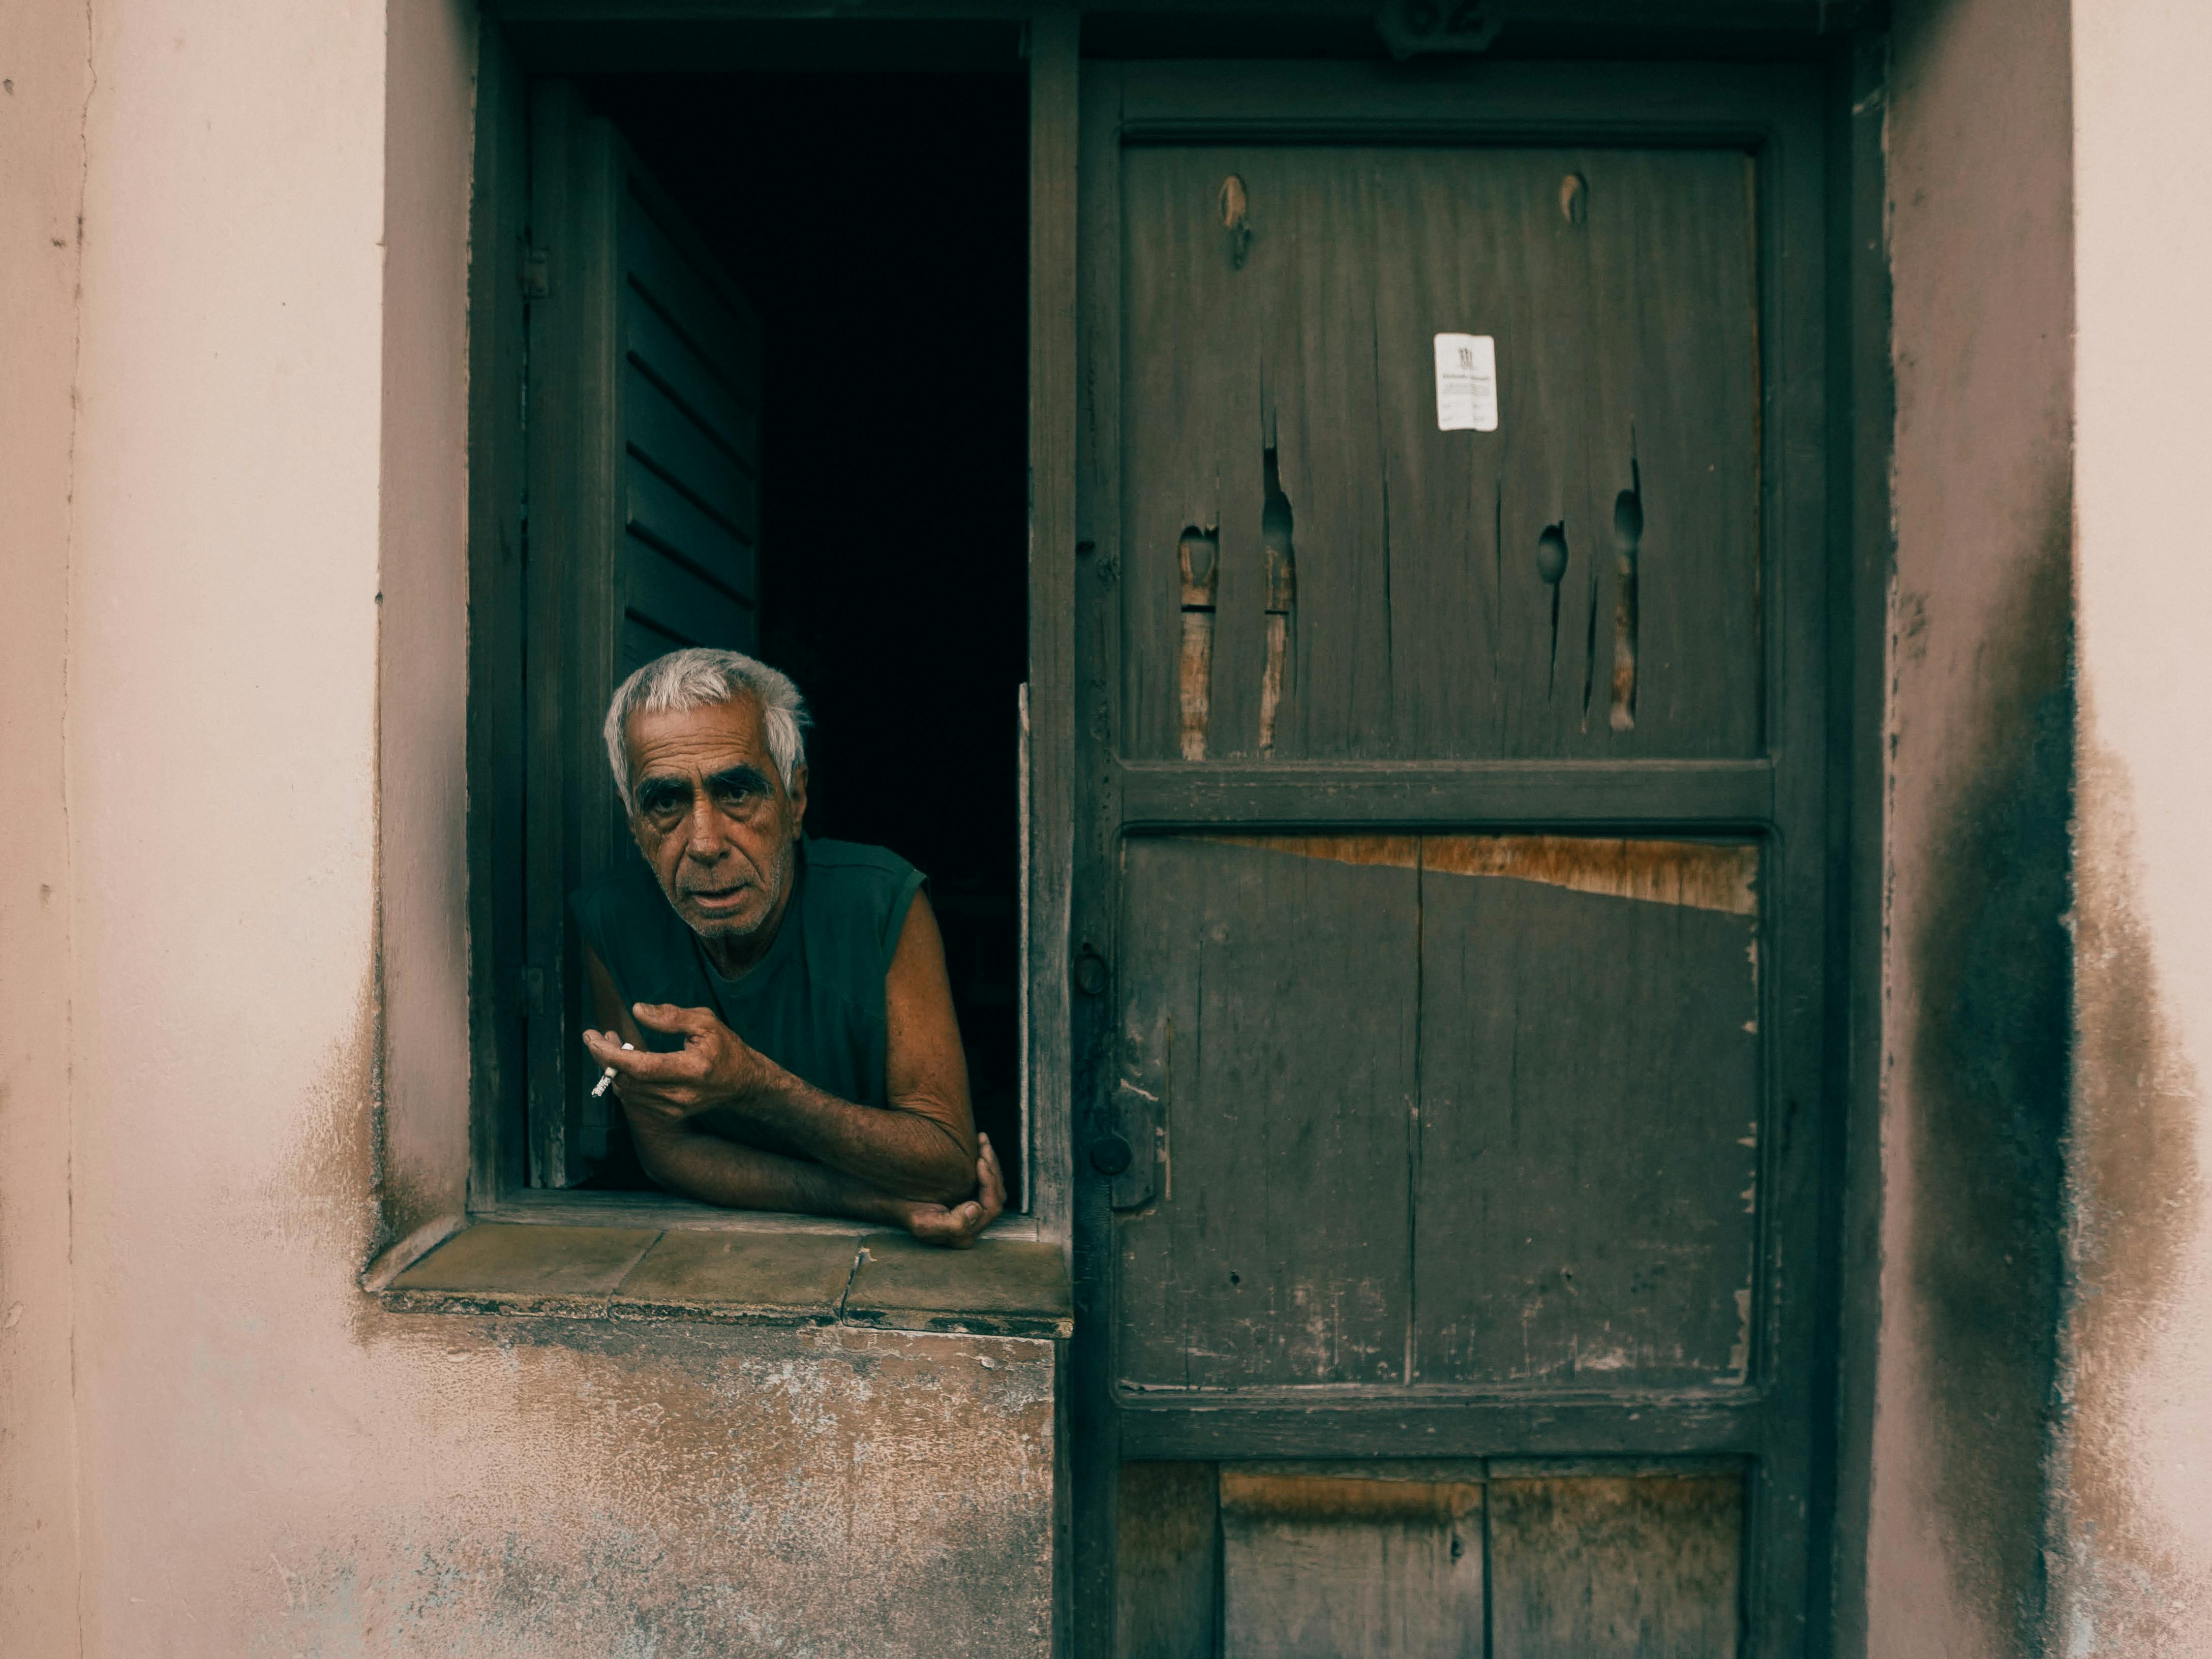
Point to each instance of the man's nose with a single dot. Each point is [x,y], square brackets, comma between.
[705,835]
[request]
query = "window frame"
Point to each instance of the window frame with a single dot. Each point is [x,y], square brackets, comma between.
[504,992]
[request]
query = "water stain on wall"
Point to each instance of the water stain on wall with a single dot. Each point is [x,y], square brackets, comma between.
[1986,1136]
[328,1189]
[2136,1192]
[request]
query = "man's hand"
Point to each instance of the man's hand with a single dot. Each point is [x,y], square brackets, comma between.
[714,1066]
[958,1227]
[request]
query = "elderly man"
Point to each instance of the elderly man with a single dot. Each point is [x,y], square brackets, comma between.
[786,998]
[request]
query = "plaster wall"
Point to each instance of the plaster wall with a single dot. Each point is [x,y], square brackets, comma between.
[1976,965]
[44,80]
[238,762]
[2134,1566]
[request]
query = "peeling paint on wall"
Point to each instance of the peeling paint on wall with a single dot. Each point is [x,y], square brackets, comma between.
[684,1491]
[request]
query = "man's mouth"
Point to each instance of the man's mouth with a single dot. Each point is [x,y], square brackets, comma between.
[717,898]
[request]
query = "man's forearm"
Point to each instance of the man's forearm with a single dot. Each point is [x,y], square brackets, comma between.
[904,1152]
[715,1171]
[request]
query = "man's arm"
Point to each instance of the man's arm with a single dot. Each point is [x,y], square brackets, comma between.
[714,1171]
[923,1149]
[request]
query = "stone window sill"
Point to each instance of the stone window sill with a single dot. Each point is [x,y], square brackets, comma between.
[753,1270]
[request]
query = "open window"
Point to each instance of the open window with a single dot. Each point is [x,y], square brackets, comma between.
[767,390]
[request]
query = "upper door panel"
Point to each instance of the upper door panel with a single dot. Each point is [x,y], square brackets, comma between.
[1313,570]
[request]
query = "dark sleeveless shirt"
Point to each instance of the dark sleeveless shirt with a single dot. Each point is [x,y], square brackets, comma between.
[814,1003]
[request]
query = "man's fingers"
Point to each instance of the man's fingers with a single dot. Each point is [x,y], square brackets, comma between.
[988,1178]
[954,1228]
[606,1047]
[641,1065]
[666,1017]
[932,1226]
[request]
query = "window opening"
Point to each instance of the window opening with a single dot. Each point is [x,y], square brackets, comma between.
[878,225]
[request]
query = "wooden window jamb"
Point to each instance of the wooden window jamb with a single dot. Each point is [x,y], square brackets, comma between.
[1052,43]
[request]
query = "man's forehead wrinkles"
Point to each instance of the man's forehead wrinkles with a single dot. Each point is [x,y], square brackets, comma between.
[699,757]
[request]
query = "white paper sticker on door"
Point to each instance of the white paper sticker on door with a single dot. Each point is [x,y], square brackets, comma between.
[1466,383]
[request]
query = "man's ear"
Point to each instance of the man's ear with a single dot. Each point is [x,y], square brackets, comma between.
[798,797]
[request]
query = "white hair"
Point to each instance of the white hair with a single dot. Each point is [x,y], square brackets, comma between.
[695,677]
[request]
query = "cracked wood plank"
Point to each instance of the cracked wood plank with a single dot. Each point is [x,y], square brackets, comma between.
[1423,627]
[1702,875]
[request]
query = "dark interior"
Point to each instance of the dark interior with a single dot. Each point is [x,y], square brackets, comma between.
[879,222]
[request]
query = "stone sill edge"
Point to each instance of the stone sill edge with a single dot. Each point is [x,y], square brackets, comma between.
[608,1305]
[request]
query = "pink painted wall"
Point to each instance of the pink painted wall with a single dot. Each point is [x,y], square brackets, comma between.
[231,957]
[2134,1571]
[44,80]
[234,672]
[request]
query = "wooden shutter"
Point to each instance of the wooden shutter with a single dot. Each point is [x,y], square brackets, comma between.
[644,427]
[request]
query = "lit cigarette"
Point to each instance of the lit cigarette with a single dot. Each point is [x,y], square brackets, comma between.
[600,1087]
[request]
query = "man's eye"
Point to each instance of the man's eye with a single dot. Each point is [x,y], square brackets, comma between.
[661,803]
[738,799]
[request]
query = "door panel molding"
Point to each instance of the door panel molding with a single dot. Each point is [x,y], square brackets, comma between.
[1445,794]
[1450,1424]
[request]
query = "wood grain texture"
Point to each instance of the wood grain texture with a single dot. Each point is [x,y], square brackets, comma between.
[1511,1095]
[1094,1449]
[1638,1568]
[1590,1120]
[498,1003]
[1446,795]
[1054,76]
[1270,1005]
[1335,1567]
[569,583]
[1422,628]
[1168,1576]
[690,432]
[1753,773]
[644,390]
[1387,1421]
[1703,875]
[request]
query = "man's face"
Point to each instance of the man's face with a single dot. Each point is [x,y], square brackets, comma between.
[712,817]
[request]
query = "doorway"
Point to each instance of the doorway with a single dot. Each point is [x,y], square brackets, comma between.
[1452,747]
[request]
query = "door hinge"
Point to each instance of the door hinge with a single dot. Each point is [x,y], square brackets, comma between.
[534,990]
[537,274]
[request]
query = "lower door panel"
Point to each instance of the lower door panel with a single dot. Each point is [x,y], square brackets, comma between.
[1443,1558]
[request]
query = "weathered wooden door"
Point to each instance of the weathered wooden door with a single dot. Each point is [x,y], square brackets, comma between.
[1449,882]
